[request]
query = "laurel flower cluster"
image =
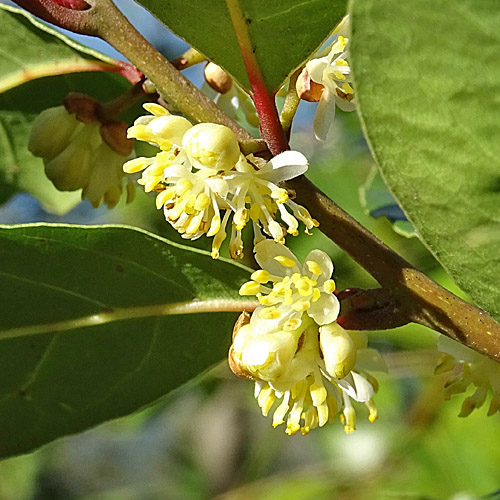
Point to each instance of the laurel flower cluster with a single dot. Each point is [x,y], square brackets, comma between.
[206,185]
[86,155]
[468,368]
[332,71]
[304,364]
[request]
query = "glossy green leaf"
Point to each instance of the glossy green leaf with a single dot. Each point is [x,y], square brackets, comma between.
[283,33]
[427,78]
[30,49]
[86,333]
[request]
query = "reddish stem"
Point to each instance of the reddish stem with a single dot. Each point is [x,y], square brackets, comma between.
[270,125]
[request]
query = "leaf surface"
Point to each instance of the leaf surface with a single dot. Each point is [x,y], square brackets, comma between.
[427,78]
[283,33]
[88,333]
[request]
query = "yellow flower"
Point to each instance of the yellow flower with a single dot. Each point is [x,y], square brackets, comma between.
[334,73]
[299,357]
[204,183]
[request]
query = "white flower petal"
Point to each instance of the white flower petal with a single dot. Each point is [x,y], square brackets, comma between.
[356,387]
[265,253]
[346,105]
[325,113]
[324,262]
[325,310]
[364,390]
[218,186]
[316,67]
[286,165]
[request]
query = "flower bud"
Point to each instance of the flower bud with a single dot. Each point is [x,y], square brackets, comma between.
[70,169]
[51,132]
[307,89]
[209,145]
[163,131]
[339,350]
[217,78]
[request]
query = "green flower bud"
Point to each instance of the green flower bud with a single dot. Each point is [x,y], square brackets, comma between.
[51,132]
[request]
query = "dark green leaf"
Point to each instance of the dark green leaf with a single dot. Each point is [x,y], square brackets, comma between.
[283,33]
[427,78]
[83,334]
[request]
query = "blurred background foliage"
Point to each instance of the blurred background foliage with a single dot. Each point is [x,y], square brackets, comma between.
[208,440]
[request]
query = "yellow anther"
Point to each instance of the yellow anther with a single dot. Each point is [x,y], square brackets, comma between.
[261,276]
[136,165]
[194,225]
[313,267]
[155,109]
[304,287]
[270,313]
[214,226]
[338,75]
[163,197]
[318,394]
[202,201]
[254,212]
[346,88]
[266,399]
[183,185]
[250,288]
[341,62]
[350,420]
[316,295]
[280,195]
[329,286]
[372,409]
[285,261]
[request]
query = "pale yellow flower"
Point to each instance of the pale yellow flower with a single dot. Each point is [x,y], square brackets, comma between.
[206,185]
[333,71]
[304,364]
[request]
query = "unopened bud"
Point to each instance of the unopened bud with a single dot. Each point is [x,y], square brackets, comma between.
[52,131]
[217,78]
[339,351]
[211,146]
[307,89]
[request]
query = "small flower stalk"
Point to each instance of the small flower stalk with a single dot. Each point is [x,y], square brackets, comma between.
[206,186]
[80,152]
[331,73]
[307,369]
[469,368]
